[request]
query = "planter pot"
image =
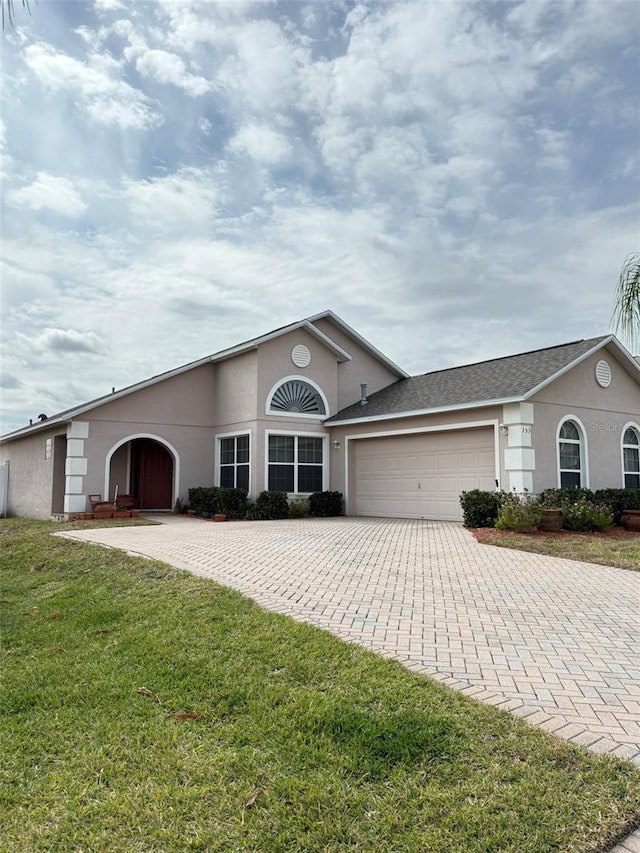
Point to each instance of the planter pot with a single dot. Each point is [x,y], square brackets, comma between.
[630,519]
[206,515]
[551,519]
[191,513]
[219,517]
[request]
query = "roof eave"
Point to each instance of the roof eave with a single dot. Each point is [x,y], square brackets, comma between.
[346,328]
[435,410]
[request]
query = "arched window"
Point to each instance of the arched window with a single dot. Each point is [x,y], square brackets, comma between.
[571,472]
[296,396]
[631,458]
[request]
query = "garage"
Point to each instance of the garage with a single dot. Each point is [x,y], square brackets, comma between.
[421,475]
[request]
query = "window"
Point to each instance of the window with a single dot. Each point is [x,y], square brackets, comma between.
[631,458]
[295,463]
[296,396]
[234,462]
[570,453]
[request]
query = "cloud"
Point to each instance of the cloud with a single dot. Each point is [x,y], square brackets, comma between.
[181,203]
[261,143]
[106,99]
[455,179]
[69,341]
[49,192]
[169,68]
[8,381]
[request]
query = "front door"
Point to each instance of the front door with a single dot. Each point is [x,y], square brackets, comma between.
[152,474]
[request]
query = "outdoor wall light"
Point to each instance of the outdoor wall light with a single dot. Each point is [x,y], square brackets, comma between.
[336,444]
[504,429]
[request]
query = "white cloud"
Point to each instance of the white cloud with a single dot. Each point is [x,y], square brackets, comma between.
[69,341]
[455,179]
[49,192]
[107,100]
[181,203]
[169,68]
[261,143]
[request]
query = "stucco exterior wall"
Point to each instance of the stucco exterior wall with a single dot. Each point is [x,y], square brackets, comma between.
[191,446]
[235,395]
[275,364]
[188,398]
[363,368]
[30,491]
[603,413]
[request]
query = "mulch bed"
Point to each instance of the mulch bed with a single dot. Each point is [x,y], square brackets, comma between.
[486,534]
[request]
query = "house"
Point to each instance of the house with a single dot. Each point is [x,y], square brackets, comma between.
[313,406]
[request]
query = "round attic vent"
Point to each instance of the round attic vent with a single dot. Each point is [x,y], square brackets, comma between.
[603,374]
[301,356]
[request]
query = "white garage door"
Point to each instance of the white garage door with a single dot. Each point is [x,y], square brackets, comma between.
[422,475]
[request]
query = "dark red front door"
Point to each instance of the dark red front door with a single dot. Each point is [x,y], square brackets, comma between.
[152,474]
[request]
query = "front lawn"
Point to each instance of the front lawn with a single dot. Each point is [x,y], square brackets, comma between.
[144,709]
[613,547]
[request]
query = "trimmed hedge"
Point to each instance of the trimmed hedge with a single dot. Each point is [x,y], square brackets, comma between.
[480,509]
[269,505]
[218,499]
[325,504]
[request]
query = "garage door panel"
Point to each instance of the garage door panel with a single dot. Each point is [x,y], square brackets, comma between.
[422,475]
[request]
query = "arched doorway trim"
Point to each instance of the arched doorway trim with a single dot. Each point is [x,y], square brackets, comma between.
[176,458]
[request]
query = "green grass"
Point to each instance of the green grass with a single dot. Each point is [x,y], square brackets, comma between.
[605,549]
[143,709]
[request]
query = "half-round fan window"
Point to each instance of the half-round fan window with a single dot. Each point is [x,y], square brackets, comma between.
[297,396]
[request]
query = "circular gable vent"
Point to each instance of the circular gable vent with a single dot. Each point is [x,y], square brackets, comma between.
[603,374]
[301,356]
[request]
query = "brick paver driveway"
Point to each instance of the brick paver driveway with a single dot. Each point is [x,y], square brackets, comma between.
[551,640]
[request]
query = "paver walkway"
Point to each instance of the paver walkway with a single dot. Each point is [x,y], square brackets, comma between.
[554,641]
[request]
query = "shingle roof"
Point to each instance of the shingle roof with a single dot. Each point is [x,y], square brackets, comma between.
[498,379]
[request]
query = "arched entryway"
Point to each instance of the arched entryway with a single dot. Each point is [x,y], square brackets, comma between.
[146,468]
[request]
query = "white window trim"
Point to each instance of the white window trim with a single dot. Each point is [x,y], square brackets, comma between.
[304,416]
[218,454]
[636,428]
[584,451]
[298,434]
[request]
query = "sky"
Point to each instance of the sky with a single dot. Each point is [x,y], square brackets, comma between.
[456,180]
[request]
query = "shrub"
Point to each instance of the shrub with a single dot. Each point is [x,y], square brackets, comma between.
[480,509]
[586,516]
[298,508]
[562,498]
[618,500]
[204,499]
[232,502]
[269,505]
[325,504]
[521,515]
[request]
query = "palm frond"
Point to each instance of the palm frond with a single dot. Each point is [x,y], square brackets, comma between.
[8,11]
[625,317]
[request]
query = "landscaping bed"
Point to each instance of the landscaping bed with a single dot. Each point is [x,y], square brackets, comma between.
[613,546]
